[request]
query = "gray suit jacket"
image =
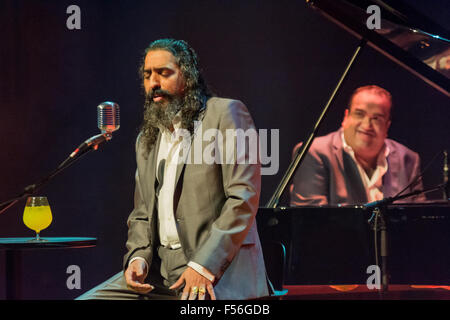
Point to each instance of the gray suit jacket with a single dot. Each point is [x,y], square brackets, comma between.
[329,176]
[214,206]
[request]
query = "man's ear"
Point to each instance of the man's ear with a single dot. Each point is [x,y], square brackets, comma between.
[388,125]
[345,116]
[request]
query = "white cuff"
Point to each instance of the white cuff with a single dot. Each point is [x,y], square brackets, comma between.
[139,258]
[202,270]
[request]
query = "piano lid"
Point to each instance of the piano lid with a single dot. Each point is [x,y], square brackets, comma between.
[405,36]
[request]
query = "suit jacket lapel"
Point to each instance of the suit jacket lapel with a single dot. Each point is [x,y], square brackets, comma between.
[148,180]
[353,181]
[187,147]
[187,151]
[391,179]
[338,148]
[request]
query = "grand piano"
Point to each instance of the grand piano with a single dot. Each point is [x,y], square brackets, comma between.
[335,245]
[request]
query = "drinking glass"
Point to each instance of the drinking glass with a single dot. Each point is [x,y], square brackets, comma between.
[37,215]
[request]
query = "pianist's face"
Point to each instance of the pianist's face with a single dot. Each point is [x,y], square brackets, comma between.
[366,123]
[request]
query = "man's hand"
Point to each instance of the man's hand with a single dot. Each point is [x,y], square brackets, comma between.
[195,286]
[135,276]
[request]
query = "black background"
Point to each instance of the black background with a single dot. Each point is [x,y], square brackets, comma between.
[280,58]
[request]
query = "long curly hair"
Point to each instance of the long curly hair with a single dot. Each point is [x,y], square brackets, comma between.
[196,93]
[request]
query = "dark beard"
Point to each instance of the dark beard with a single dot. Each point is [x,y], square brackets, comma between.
[161,113]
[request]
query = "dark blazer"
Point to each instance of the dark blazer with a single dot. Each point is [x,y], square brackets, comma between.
[329,176]
[214,206]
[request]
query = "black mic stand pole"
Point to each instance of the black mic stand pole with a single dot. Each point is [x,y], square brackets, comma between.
[445,193]
[33,188]
[301,152]
[380,211]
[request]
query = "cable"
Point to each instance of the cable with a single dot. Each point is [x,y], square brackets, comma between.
[416,179]
[375,237]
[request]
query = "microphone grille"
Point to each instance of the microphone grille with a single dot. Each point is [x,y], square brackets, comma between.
[108,116]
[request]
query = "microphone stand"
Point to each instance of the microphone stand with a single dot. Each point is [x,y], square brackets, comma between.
[380,212]
[33,188]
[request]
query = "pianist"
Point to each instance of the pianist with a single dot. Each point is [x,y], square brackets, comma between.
[357,164]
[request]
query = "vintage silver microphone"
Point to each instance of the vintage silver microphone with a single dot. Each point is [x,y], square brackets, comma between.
[108,121]
[108,117]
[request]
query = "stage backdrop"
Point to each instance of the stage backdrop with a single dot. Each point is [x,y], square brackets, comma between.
[280,58]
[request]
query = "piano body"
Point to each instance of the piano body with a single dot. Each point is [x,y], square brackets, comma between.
[336,244]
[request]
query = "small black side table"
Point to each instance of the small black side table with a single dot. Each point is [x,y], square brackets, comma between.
[14,246]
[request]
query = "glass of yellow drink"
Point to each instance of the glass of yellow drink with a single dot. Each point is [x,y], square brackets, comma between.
[37,215]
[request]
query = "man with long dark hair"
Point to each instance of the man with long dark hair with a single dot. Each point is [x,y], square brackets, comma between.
[192,233]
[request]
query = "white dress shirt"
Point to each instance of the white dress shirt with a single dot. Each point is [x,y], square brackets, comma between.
[166,169]
[372,185]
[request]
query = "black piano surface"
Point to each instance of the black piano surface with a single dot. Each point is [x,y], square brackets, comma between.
[335,244]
